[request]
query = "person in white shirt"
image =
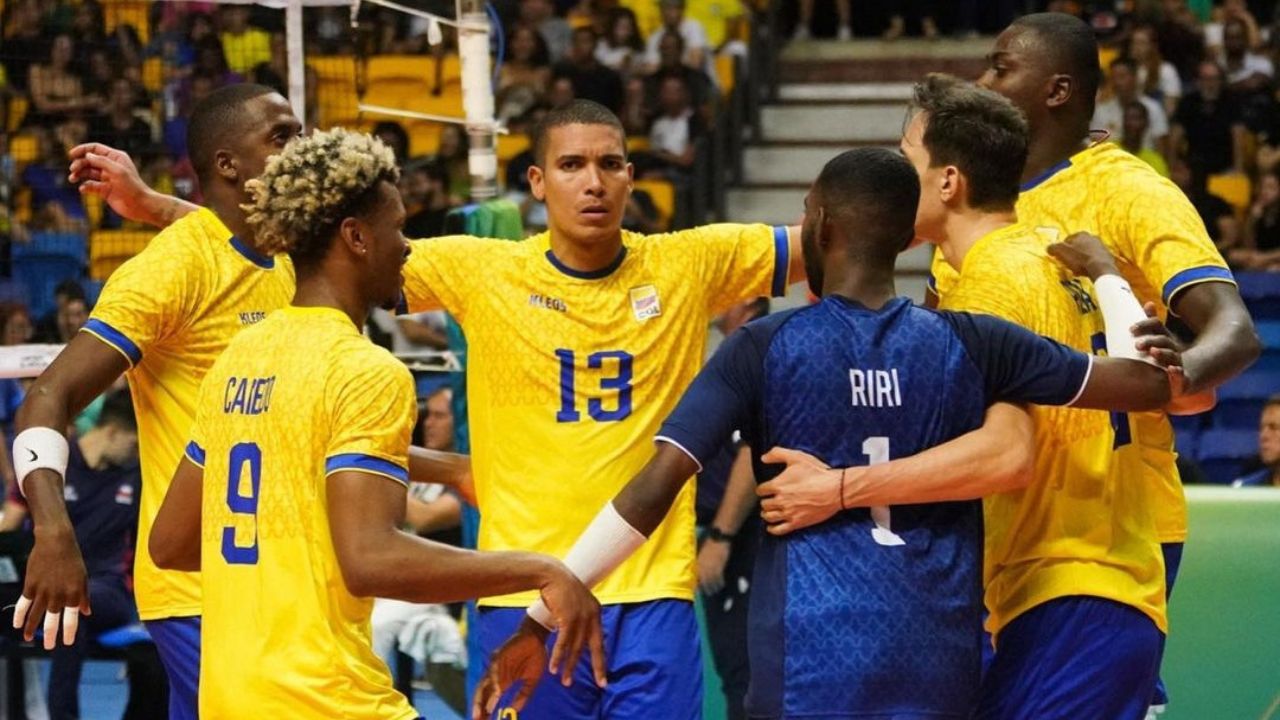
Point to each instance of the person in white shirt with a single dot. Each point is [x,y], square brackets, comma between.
[697,53]
[1157,77]
[621,47]
[1109,114]
[1248,73]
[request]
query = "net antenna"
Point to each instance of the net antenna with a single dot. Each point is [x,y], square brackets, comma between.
[474,31]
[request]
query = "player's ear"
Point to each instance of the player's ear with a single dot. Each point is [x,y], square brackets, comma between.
[352,236]
[949,186]
[1061,90]
[225,165]
[536,183]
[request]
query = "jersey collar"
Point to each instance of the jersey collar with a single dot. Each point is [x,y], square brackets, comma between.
[252,255]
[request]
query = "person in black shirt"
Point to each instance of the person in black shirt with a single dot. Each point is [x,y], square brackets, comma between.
[118,127]
[425,187]
[591,80]
[1209,120]
[1217,214]
[102,494]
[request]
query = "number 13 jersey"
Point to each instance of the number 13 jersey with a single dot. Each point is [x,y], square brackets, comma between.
[571,373]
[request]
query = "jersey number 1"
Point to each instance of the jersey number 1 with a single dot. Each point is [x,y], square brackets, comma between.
[242,454]
[621,382]
[877,451]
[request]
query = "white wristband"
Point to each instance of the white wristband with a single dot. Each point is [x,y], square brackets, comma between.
[39,448]
[1120,311]
[606,542]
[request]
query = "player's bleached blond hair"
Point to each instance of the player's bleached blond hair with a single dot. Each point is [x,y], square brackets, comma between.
[315,183]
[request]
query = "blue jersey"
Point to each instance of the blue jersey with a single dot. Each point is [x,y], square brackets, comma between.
[850,618]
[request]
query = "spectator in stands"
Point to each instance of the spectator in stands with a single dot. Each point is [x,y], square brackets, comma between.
[1209,121]
[804,25]
[555,31]
[898,24]
[16,328]
[1268,449]
[102,494]
[244,44]
[1110,114]
[670,50]
[56,89]
[1215,31]
[55,202]
[1135,131]
[120,126]
[1217,214]
[1179,38]
[49,329]
[560,93]
[425,188]
[394,136]
[525,74]
[1157,78]
[1249,74]
[621,48]
[591,80]
[452,152]
[696,53]
[1261,247]
[211,60]
[635,107]
[672,135]
[22,41]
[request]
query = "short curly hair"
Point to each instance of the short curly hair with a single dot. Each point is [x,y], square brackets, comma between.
[315,183]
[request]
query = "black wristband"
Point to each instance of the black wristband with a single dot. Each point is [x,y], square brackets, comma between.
[716,534]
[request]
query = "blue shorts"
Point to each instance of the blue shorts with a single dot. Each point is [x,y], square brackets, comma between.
[655,666]
[1071,658]
[178,643]
[1172,561]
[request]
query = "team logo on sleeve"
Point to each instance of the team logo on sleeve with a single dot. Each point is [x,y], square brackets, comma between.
[644,302]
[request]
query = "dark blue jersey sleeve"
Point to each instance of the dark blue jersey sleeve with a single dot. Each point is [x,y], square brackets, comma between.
[1018,365]
[721,399]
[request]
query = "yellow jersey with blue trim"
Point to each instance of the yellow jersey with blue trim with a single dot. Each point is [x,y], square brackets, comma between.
[170,311]
[1082,526]
[1161,248]
[570,374]
[299,397]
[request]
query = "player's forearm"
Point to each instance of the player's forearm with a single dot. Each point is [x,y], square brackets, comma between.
[1226,342]
[996,457]
[405,567]
[739,495]
[45,407]
[161,211]
[645,501]
[442,468]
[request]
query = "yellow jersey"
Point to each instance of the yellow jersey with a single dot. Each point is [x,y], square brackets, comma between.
[570,375]
[302,395]
[1080,527]
[171,310]
[1161,248]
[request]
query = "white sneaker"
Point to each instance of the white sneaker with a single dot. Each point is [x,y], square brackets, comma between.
[844,33]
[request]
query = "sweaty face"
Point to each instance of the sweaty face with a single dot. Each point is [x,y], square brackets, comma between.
[585,181]
[268,124]
[1015,70]
[1269,436]
[931,212]
[387,246]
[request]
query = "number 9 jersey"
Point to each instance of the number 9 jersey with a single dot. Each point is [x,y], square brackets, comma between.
[569,375]
[298,397]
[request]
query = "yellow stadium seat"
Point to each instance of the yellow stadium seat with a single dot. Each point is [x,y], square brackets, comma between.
[725,76]
[22,205]
[399,67]
[510,146]
[17,113]
[334,68]
[424,137]
[109,249]
[131,12]
[1234,188]
[24,148]
[153,74]
[395,92]
[1105,56]
[337,101]
[452,69]
[663,194]
[93,209]
[637,144]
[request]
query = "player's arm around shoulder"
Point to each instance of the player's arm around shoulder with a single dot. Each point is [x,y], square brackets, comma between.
[444,273]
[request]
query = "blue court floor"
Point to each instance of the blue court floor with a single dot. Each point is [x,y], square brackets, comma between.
[103,693]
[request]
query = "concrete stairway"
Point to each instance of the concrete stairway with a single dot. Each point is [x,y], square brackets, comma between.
[834,96]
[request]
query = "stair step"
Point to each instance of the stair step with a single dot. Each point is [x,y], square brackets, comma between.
[845,92]
[878,123]
[784,164]
[901,70]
